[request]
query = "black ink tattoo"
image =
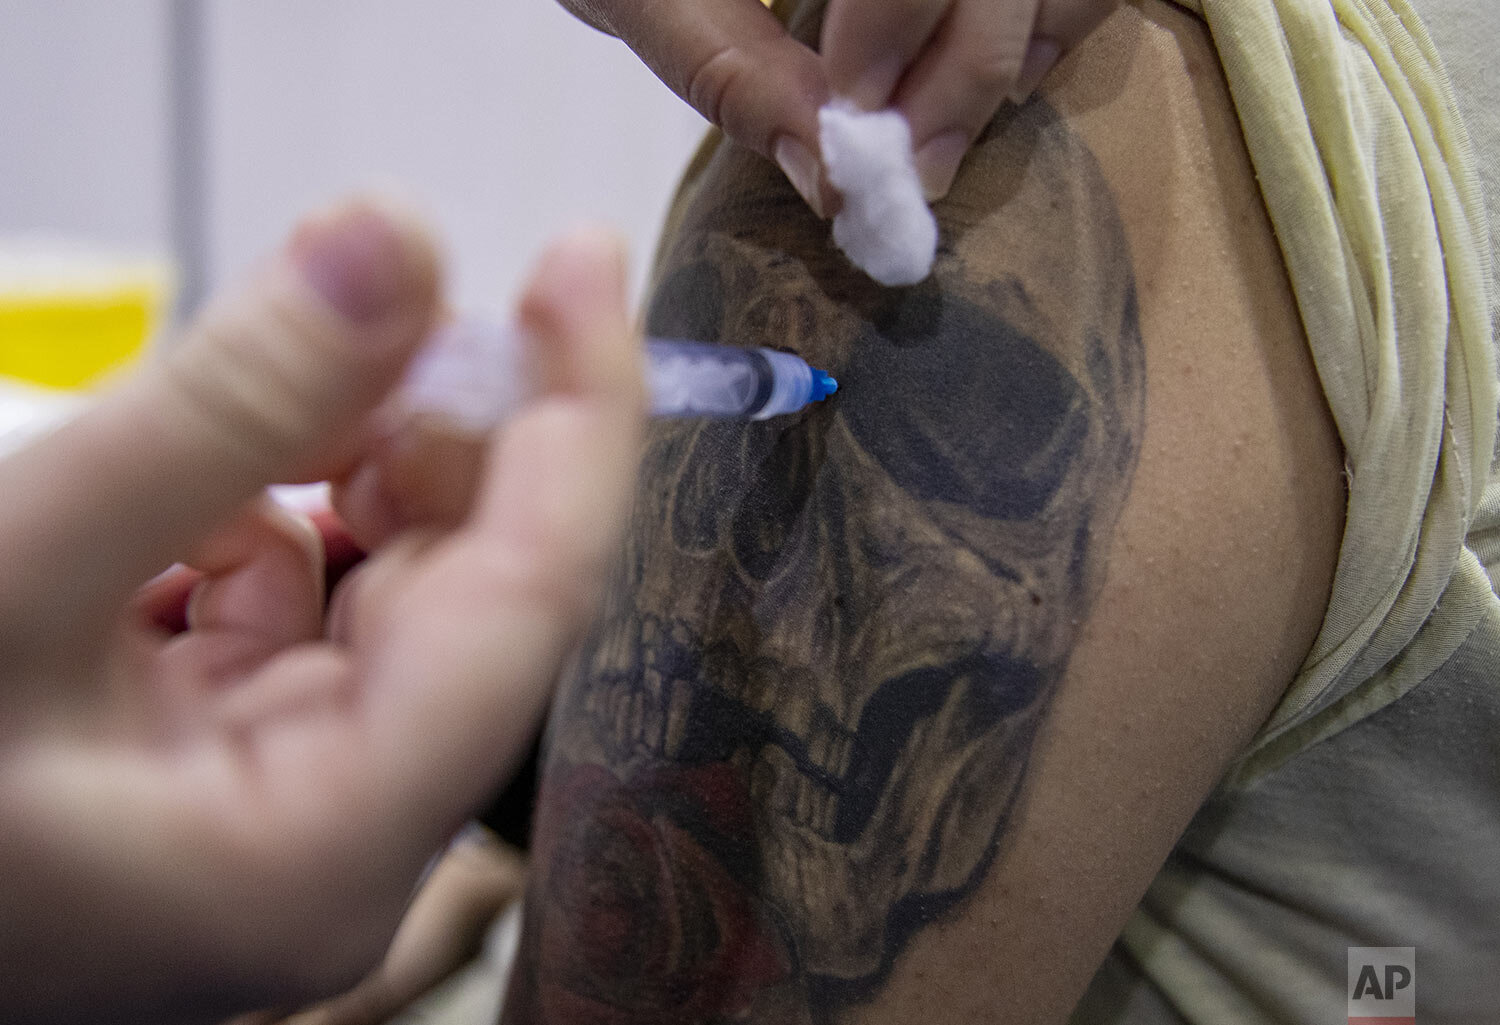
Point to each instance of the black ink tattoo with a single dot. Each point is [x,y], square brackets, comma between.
[800,729]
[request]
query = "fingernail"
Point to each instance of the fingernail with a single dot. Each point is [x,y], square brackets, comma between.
[617,255]
[937,163]
[587,252]
[1041,57]
[599,244]
[353,258]
[872,89]
[801,168]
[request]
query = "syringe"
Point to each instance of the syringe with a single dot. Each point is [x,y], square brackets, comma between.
[698,379]
[470,373]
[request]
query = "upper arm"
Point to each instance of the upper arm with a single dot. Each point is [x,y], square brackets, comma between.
[902,700]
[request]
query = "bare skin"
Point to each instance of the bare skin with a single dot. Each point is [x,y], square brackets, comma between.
[946,64]
[932,678]
[212,796]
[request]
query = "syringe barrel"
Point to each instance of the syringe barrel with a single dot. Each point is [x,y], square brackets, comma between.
[471,375]
[696,379]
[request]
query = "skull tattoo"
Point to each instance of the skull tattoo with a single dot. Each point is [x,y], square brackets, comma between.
[835,634]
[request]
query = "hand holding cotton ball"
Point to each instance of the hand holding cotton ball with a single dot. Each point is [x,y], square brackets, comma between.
[885,226]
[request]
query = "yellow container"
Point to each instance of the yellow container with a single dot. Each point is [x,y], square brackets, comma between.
[71,316]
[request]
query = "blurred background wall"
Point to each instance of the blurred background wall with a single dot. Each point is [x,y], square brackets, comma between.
[203,127]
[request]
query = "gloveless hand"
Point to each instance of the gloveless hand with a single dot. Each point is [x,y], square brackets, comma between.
[946,64]
[232,815]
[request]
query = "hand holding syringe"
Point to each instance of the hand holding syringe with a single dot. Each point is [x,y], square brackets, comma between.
[470,377]
[470,373]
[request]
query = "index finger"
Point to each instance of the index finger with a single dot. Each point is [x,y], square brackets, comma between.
[869,44]
[491,612]
[732,60]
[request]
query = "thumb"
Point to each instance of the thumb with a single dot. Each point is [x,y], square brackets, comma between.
[276,375]
[271,382]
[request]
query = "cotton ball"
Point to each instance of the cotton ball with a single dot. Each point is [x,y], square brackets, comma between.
[885,226]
